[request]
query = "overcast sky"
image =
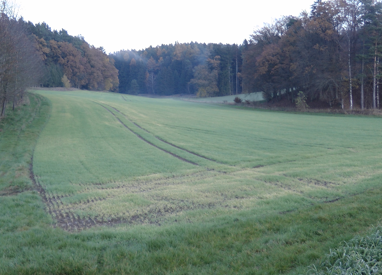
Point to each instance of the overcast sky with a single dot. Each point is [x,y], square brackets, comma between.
[118,24]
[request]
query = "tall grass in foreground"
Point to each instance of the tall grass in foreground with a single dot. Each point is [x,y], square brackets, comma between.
[361,255]
[281,218]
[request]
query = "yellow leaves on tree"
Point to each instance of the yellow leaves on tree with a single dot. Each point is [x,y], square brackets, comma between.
[65,82]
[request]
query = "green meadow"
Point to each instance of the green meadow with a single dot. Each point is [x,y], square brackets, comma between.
[257,96]
[104,183]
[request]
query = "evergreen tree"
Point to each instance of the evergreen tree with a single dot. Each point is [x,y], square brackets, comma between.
[134,87]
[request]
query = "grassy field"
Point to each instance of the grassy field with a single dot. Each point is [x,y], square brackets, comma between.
[133,185]
[229,98]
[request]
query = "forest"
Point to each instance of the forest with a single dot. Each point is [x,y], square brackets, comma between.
[329,54]
[34,55]
[188,68]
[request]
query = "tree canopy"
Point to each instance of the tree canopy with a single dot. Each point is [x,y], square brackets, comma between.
[180,68]
[331,55]
[85,66]
[20,66]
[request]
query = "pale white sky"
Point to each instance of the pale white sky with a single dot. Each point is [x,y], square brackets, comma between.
[117,25]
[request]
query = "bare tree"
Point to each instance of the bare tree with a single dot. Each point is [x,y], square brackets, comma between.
[19,63]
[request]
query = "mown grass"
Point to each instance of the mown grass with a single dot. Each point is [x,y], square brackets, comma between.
[258,96]
[276,193]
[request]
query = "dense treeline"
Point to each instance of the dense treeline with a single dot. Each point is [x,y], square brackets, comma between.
[34,55]
[20,66]
[187,68]
[331,54]
[71,61]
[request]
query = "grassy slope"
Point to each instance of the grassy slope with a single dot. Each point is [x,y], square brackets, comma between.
[329,157]
[21,207]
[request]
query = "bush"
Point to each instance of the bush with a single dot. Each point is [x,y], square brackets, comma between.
[238,100]
[66,82]
[301,101]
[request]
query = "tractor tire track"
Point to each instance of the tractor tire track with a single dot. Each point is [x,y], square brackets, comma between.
[65,218]
[36,184]
[135,187]
[51,202]
[139,136]
[171,144]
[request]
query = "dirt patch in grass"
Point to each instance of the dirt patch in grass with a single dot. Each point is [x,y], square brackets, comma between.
[38,186]
[69,221]
[162,209]
[317,182]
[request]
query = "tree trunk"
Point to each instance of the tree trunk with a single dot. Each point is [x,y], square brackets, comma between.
[237,87]
[375,77]
[152,83]
[3,107]
[377,83]
[229,79]
[362,89]
[350,77]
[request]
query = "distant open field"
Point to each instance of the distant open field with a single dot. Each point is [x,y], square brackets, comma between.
[134,185]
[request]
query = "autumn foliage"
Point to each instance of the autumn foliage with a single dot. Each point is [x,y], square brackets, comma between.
[330,54]
[85,66]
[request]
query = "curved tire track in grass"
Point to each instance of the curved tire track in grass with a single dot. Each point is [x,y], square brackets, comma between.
[50,203]
[139,136]
[162,140]
[64,219]
[36,184]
